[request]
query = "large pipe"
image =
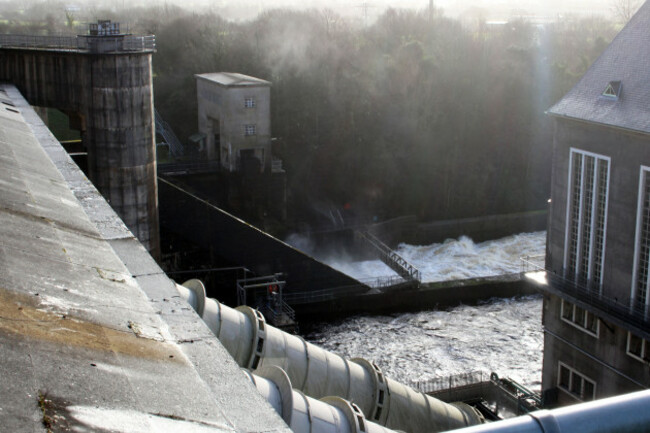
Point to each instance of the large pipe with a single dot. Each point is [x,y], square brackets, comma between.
[625,413]
[308,415]
[319,373]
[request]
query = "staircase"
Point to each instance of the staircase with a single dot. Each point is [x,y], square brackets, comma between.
[393,260]
[163,128]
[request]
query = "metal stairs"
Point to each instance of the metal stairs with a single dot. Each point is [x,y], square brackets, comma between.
[163,128]
[393,260]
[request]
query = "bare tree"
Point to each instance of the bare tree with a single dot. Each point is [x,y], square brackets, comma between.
[625,9]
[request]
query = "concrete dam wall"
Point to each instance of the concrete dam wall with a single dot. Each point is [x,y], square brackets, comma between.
[208,226]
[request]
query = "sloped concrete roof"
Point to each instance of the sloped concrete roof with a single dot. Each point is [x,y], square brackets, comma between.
[233,79]
[93,335]
[627,59]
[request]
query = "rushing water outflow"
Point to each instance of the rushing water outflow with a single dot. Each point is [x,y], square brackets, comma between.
[455,259]
[501,335]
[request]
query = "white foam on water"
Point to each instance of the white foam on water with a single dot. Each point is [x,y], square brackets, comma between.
[502,335]
[455,259]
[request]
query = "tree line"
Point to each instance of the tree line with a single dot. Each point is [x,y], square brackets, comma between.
[409,115]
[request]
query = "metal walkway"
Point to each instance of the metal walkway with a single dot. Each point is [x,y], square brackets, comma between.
[393,260]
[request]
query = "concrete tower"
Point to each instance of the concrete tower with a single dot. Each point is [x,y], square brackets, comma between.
[103,81]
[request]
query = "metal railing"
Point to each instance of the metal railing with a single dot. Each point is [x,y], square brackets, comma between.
[383,282]
[266,294]
[391,258]
[448,382]
[166,131]
[307,297]
[624,309]
[128,43]
[534,263]
[188,167]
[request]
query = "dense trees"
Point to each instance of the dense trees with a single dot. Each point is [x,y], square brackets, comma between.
[404,116]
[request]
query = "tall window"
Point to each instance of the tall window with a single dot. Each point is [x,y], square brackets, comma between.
[249,102]
[638,347]
[642,248]
[584,251]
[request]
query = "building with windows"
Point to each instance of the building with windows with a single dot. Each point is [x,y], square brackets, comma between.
[235,120]
[596,306]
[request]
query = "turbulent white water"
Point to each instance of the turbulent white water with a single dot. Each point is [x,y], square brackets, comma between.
[502,335]
[454,259]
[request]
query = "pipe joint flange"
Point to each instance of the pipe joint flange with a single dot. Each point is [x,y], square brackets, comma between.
[279,377]
[259,336]
[197,287]
[382,393]
[355,417]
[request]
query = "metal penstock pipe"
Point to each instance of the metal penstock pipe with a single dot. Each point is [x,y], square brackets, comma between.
[319,373]
[308,415]
[625,413]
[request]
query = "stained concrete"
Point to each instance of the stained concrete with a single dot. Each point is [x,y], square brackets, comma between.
[111,98]
[93,336]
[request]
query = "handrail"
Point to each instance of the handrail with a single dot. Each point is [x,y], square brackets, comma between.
[163,128]
[391,258]
[620,308]
[130,43]
[188,167]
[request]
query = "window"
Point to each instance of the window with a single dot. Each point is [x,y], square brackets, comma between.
[575,384]
[250,130]
[641,273]
[580,318]
[249,102]
[612,90]
[638,348]
[584,251]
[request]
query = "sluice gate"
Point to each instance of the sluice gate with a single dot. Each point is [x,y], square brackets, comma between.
[319,373]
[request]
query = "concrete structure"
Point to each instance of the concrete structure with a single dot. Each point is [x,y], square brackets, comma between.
[596,315]
[103,82]
[235,117]
[93,335]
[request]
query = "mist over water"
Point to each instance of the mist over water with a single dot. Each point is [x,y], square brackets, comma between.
[500,335]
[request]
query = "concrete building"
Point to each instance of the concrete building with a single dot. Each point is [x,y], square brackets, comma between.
[596,307]
[235,117]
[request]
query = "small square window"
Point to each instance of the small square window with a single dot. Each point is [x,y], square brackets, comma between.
[249,102]
[250,130]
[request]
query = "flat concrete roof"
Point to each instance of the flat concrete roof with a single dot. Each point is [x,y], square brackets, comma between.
[233,79]
[93,335]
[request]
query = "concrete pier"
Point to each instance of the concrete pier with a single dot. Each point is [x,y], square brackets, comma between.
[105,86]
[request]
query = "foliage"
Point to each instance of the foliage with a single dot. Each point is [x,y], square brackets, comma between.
[409,115]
